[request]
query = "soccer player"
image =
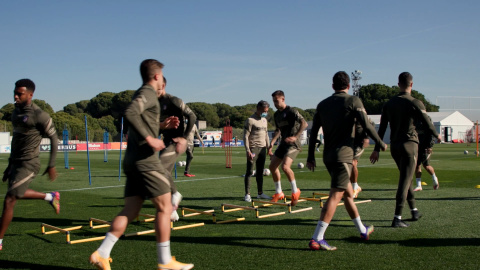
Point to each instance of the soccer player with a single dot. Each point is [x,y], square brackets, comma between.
[337,114]
[401,112]
[290,126]
[30,124]
[173,109]
[255,136]
[146,177]
[425,146]
[359,143]
[191,148]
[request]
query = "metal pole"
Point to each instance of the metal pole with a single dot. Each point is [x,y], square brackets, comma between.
[88,153]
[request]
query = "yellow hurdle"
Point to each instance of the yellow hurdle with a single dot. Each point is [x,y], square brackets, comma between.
[357,202]
[102,222]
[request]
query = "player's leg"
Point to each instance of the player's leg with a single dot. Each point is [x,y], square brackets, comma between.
[287,168]
[431,171]
[274,164]
[418,177]
[189,153]
[101,257]
[354,177]
[246,180]
[261,155]
[398,154]
[163,208]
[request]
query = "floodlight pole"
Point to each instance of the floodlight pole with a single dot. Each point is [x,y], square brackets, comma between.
[355,86]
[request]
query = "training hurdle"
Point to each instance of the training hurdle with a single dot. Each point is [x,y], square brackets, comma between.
[67,233]
[198,212]
[255,208]
[171,227]
[149,218]
[268,203]
[357,202]
[103,223]
[303,199]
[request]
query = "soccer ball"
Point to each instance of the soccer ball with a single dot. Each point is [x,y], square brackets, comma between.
[465,152]
[180,163]
[266,172]
[184,163]
[300,165]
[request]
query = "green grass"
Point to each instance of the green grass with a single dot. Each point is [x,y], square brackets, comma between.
[447,237]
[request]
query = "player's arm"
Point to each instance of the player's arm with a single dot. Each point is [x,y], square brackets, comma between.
[247,128]
[190,116]
[362,118]
[199,137]
[303,125]
[317,123]
[422,114]
[6,173]
[381,132]
[144,100]
[48,129]
[276,134]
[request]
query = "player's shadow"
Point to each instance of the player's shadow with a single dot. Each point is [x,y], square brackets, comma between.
[24,265]
[424,242]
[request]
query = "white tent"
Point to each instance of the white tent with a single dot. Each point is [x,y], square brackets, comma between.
[451,125]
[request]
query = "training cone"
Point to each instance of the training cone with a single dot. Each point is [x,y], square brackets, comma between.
[72,168]
[477,186]
[424,184]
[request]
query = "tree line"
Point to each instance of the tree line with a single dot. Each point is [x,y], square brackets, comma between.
[105,111]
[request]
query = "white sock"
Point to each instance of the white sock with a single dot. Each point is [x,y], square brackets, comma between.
[355,186]
[359,225]
[163,252]
[320,230]
[398,217]
[48,197]
[294,186]
[414,209]
[1,241]
[419,182]
[107,245]
[434,178]
[278,187]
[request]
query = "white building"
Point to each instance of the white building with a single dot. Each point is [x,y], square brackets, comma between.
[451,125]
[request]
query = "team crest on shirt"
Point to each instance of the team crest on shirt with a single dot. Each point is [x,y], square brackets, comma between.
[25,118]
[165,107]
[284,114]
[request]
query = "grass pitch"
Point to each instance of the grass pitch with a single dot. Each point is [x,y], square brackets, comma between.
[447,237]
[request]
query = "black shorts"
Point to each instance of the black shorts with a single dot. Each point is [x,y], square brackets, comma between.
[147,184]
[423,156]
[339,174]
[287,150]
[22,174]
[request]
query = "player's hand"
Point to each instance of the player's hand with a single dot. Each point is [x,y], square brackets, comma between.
[439,139]
[384,148]
[291,140]
[374,156]
[52,173]
[155,143]
[270,153]
[171,122]
[429,151]
[250,155]
[311,164]
[181,145]
[6,173]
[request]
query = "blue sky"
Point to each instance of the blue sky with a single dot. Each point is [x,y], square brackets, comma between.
[237,52]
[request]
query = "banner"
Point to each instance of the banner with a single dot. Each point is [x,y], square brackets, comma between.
[5,148]
[61,147]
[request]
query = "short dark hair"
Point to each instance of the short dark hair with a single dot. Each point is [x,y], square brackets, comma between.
[405,79]
[262,104]
[148,69]
[341,81]
[278,93]
[27,83]
[165,80]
